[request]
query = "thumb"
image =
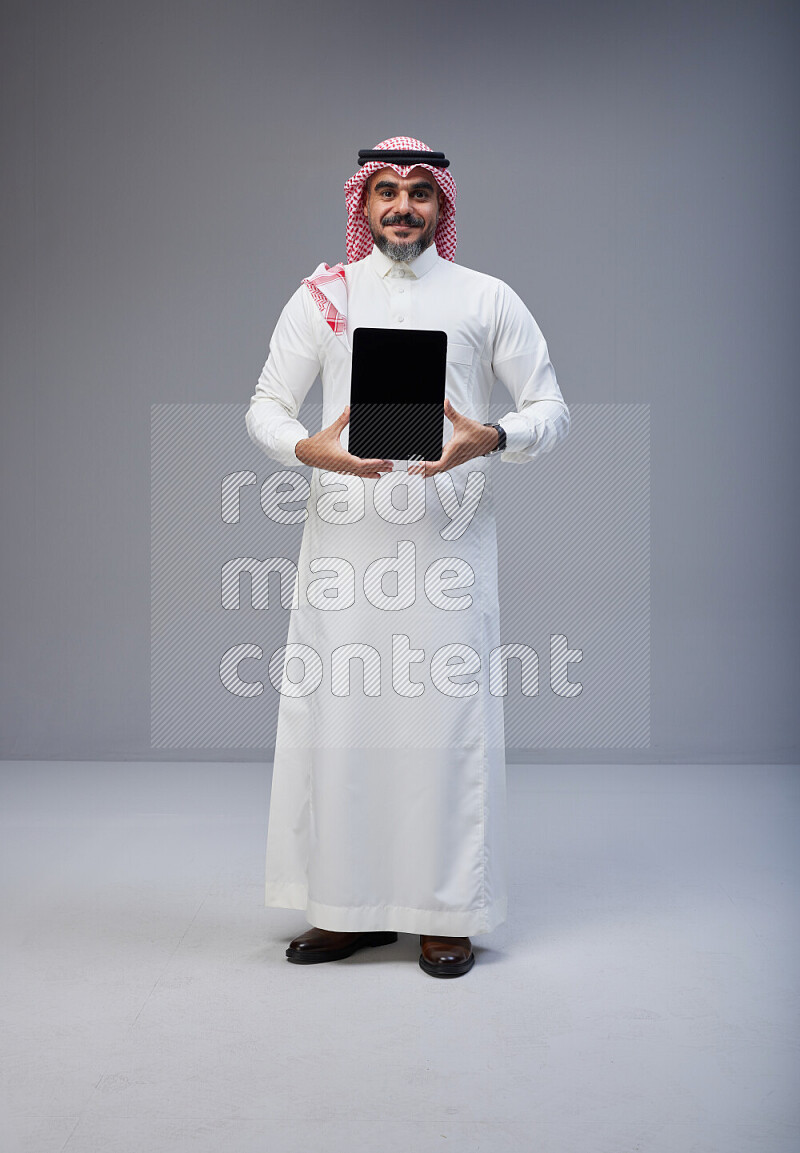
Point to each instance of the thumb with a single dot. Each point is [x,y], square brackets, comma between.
[344,418]
[450,412]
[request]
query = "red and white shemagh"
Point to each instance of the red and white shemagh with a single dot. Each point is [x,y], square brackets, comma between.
[327,285]
[328,288]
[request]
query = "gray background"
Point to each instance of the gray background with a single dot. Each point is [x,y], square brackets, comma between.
[171,172]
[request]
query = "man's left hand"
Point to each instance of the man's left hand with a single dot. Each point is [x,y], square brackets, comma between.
[470,439]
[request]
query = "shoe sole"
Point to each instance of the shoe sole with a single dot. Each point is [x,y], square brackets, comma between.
[318,956]
[448,968]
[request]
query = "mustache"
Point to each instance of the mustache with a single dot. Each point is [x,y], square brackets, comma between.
[408,218]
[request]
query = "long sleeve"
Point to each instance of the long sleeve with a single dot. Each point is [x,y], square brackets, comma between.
[291,368]
[520,360]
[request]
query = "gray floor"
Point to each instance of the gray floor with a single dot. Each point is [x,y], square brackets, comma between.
[642,995]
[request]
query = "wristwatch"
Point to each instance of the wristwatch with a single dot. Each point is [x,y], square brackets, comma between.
[501,434]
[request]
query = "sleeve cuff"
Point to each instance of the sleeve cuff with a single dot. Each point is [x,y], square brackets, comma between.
[287,440]
[277,442]
[518,431]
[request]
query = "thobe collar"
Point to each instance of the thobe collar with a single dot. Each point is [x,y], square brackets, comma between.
[416,268]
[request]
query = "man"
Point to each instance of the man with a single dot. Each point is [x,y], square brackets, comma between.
[387,810]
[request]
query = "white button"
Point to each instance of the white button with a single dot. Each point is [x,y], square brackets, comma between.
[401,319]
[401,290]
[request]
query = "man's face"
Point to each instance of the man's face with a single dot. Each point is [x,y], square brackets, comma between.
[402,212]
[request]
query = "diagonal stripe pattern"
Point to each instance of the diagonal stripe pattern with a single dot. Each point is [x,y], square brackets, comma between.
[574,578]
[396,431]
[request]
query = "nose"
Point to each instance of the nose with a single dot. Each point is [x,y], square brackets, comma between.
[404,201]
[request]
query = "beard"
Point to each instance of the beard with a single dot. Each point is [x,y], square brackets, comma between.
[404,250]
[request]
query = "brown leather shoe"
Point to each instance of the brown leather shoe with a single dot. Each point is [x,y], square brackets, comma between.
[316,945]
[446,956]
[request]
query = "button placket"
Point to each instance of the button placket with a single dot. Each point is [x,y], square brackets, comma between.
[398,278]
[408,300]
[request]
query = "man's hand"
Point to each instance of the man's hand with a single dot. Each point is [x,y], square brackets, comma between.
[470,439]
[324,451]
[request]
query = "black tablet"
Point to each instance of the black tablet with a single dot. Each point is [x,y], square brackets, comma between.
[397,393]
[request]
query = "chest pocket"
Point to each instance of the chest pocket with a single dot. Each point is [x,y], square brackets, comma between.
[459,376]
[459,353]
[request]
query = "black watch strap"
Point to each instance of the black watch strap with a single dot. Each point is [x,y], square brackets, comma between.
[501,441]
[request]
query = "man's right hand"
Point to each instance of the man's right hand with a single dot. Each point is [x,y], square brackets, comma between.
[324,451]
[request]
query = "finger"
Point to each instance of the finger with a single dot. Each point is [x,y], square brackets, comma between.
[442,464]
[335,429]
[457,450]
[434,466]
[371,466]
[373,462]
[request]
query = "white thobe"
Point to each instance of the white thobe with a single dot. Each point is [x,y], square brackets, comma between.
[388,801]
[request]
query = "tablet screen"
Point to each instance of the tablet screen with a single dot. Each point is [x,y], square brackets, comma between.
[397,390]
